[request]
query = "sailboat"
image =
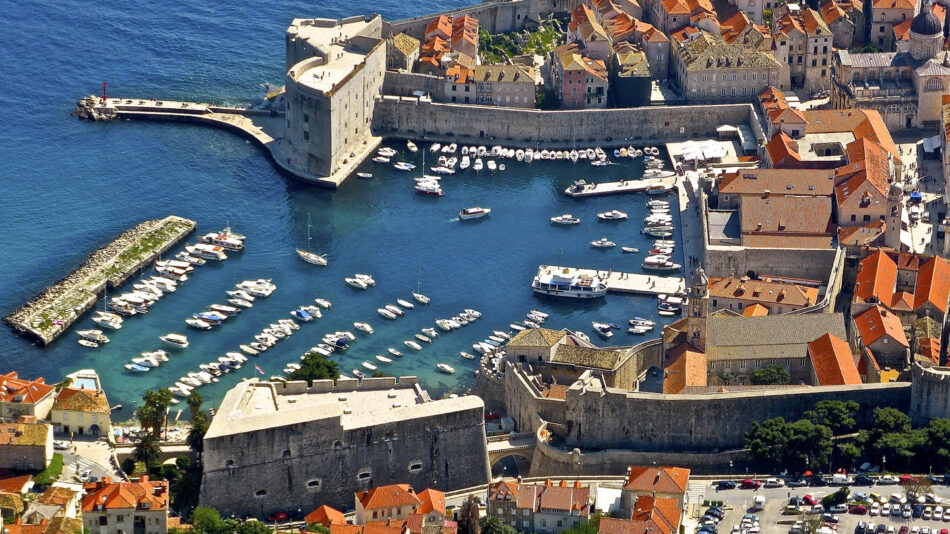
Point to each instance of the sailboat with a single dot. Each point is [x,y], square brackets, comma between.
[417,294]
[308,256]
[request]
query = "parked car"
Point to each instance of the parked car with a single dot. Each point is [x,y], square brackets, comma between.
[861,528]
[715,510]
[809,500]
[857,509]
[60,445]
[917,511]
[829,518]
[885,509]
[817,482]
[725,485]
[796,482]
[839,508]
[905,511]
[278,517]
[928,514]
[774,483]
[863,480]
[875,509]
[750,483]
[887,480]
[898,498]
[907,479]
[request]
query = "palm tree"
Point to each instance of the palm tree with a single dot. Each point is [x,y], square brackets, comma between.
[147,450]
[468,517]
[196,433]
[195,400]
[492,525]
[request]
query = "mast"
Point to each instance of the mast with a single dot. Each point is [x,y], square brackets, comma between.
[308,231]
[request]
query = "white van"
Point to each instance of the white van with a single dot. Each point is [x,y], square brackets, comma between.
[758,503]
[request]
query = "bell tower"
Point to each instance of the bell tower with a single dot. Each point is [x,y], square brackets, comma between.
[895,215]
[698,307]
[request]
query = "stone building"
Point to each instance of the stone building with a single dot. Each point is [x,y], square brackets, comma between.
[832,363]
[708,70]
[139,506]
[19,396]
[82,412]
[882,333]
[504,85]
[655,515]
[580,82]
[402,52]
[884,16]
[630,77]
[546,508]
[906,87]
[394,501]
[775,296]
[585,30]
[25,444]
[845,19]
[335,71]
[804,42]
[645,481]
[275,447]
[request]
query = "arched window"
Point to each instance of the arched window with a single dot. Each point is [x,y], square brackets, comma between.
[933,84]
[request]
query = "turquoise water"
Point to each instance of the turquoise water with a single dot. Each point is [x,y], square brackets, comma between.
[71,187]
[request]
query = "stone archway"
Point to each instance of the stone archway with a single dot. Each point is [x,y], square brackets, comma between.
[512,465]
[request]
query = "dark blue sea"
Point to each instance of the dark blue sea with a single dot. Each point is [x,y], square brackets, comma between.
[70,187]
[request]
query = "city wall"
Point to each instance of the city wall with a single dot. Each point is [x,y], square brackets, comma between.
[799,263]
[930,397]
[416,118]
[493,17]
[398,83]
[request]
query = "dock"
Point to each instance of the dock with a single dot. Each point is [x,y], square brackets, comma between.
[629,283]
[52,312]
[617,188]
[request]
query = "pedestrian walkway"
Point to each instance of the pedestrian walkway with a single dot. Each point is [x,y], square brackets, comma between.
[687,188]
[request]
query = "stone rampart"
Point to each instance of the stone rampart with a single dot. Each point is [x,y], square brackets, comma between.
[813,264]
[416,118]
[494,17]
[930,398]
[406,83]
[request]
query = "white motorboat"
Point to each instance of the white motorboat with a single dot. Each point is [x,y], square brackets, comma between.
[248,350]
[516,326]
[603,243]
[478,165]
[146,362]
[258,346]
[230,311]
[444,325]
[383,359]
[630,250]
[660,263]
[475,313]
[323,303]
[429,187]
[136,368]
[363,327]
[175,341]
[602,329]
[198,324]
[355,283]
[565,219]
[451,148]
[386,152]
[473,213]
[403,166]
[93,335]
[405,304]
[568,282]
[206,251]
[381,159]
[241,302]
[519,154]
[221,240]
[385,314]
[394,309]
[364,175]
[394,352]
[412,345]
[503,335]
[467,355]
[442,169]
[431,332]
[659,189]
[423,338]
[492,166]
[657,203]
[366,278]
[465,163]
[412,147]
[108,320]
[241,294]
[445,368]
[88,344]
[370,366]
[435,147]
[420,297]
[612,215]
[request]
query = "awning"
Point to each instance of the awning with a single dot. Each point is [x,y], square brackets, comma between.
[931,143]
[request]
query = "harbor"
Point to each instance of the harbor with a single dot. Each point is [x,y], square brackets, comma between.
[625,282]
[583,189]
[51,313]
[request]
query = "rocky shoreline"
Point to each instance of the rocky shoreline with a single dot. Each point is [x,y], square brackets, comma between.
[87,109]
[90,279]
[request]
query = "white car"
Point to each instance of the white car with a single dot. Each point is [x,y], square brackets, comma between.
[928,513]
[84,474]
[60,445]
[774,483]
[885,509]
[887,480]
[938,513]
[874,509]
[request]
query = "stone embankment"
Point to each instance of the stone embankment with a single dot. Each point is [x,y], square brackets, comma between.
[52,312]
[88,109]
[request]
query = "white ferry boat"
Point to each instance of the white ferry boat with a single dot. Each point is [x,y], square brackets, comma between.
[568,282]
[206,251]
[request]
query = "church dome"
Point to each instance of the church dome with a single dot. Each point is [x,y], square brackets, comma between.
[895,190]
[699,277]
[926,23]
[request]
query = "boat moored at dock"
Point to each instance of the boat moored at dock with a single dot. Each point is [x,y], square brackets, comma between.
[568,282]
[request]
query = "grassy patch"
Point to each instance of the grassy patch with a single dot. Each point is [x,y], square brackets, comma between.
[51,473]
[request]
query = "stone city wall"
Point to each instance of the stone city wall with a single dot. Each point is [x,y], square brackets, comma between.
[798,263]
[490,388]
[930,397]
[405,83]
[494,17]
[415,118]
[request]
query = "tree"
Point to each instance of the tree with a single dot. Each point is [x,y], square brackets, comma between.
[838,497]
[848,454]
[887,421]
[147,451]
[315,367]
[318,528]
[205,519]
[378,374]
[808,445]
[937,445]
[128,466]
[195,400]
[770,374]
[468,517]
[196,432]
[767,441]
[898,448]
[154,410]
[547,99]
[836,415]
[494,525]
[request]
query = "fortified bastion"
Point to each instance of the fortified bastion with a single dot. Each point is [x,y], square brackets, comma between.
[281,446]
[930,395]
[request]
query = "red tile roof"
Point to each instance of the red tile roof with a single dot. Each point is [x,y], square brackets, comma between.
[930,349]
[432,500]
[833,362]
[786,222]
[933,284]
[139,494]
[439,26]
[876,278]
[877,322]
[863,123]
[686,367]
[325,516]
[658,479]
[654,515]
[755,310]
[782,150]
[860,235]
[563,498]
[811,182]
[387,497]
[15,389]
[15,484]
[763,290]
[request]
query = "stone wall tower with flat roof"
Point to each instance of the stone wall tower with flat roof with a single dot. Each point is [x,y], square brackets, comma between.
[697,309]
[895,215]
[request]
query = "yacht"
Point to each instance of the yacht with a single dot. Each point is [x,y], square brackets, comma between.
[247,349]
[364,175]
[394,352]
[660,263]
[565,219]
[405,304]
[355,283]
[445,368]
[473,213]
[206,251]
[259,288]
[603,242]
[420,298]
[385,314]
[175,341]
[108,320]
[96,336]
[220,240]
[612,215]
[569,282]
[423,338]
[396,310]
[630,250]
[383,359]
[366,278]
[412,345]
[659,189]
[323,303]
[403,166]
[467,355]
[363,327]
[198,324]
[429,187]
[602,329]
[312,257]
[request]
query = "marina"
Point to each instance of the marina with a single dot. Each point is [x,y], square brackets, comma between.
[624,282]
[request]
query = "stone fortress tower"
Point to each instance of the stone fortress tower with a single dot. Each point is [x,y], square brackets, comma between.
[698,306]
[895,214]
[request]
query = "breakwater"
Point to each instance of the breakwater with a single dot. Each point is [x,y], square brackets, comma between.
[51,313]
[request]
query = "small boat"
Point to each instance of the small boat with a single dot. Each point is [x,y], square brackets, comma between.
[420,298]
[412,345]
[478,165]
[385,314]
[363,327]
[241,294]
[230,311]
[491,165]
[259,288]
[197,324]
[657,203]
[423,338]
[467,355]
[241,302]
[442,169]
[658,232]
[659,189]
[565,219]
[302,315]
[370,366]
[473,213]
[394,352]
[612,215]
[435,147]
[387,152]
[355,283]
[405,304]
[465,163]
[496,339]
[412,147]
[383,359]
[602,329]
[396,310]
[403,166]
[381,159]
[111,321]
[445,368]
[364,175]
[323,303]
[93,335]
[258,346]
[503,335]
[431,332]
[429,187]
[367,279]
[248,350]
[175,341]
[136,368]
[630,250]
[659,263]
[639,330]
[599,163]
[517,326]
[359,374]
[88,344]
[603,243]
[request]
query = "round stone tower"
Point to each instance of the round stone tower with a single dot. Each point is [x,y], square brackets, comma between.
[930,392]
[926,34]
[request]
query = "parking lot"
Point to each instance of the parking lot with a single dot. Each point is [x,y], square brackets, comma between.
[738,502]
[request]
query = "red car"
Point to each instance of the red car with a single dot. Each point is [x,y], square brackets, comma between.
[809,500]
[858,509]
[904,530]
[751,484]
[907,479]
[278,517]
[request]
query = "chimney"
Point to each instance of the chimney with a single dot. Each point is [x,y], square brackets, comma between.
[562,484]
[519,479]
[577,484]
[107,480]
[143,479]
[944,335]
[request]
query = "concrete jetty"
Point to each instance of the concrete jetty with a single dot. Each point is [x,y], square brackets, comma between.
[582,189]
[53,311]
[629,283]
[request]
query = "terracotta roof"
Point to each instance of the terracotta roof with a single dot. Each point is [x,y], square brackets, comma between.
[459,74]
[57,496]
[930,349]
[865,155]
[863,123]
[860,235]
[859,188]
[15,484]
[497,491]
[907,261]
[782,150]
[14,389]
[675,7]
[82,400]
[18,527]
[933,284]
[763,290]
[809,182]
[140,494]
[415,522]
[325,516]
[813,23]
[686,367]
[832,360]
[902,301]
[432,500]
[536,337]
[876,322]
[658,479]
[654,515]
[24,434]
[387,497]
[831,12]
[440,26]
[876,277]
[574,500]
[755,310]
[786,222]
[895,4]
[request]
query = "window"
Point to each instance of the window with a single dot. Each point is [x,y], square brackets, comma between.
[314,484]
[853,217]
[867,218]
[260,493]
[364,475]
[814,63]
[65,417]
[306,118]
[286,454]
[415,466]
[306,135]
[454,87]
